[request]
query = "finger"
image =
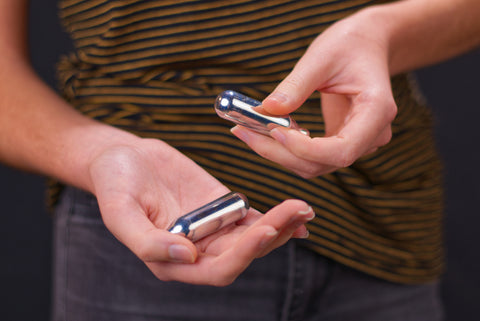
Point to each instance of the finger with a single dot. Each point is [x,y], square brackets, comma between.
[368,123]
[292,92]
[286,213]
[296,225]
[280,154]
[223,269]
[219,270]
[301,233]
[316,151]
[296,230]
[384,138]
[265,146]
[272,230]
[370,151]
[131,226]
[252,216]
[248,247]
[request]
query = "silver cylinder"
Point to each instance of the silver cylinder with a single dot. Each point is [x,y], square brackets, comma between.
[211,217]
[246,111]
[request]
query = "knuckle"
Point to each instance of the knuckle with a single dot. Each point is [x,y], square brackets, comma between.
[224,280]
[390,111]
[147,252]
[300,150]
[143,252]
[347,158]
[308,173]
[386,138]
[293,82]
[162,276]
[266,153]
[295,203]
[380,97]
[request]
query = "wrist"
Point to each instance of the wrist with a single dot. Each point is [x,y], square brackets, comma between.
[402,32]
[84,145]
[375,25]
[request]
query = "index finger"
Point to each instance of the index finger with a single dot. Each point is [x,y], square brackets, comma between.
[367,122]
[266,233]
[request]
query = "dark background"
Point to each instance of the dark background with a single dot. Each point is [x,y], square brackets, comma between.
[451,89]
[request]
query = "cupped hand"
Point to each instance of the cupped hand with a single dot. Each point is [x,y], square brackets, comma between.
[143,187]
[348,64]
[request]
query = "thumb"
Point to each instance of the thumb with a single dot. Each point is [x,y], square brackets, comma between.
[292,92]
[132,227]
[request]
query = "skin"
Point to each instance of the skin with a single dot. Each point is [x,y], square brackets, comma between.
[142,184]
[350,64]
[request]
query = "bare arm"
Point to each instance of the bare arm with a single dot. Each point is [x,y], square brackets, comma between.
[141,184]
[423,32]
[40,132]
[404,35]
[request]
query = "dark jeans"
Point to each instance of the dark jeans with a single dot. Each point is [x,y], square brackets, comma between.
[97,278]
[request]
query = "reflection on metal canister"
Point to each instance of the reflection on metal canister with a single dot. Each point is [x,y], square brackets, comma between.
[211,217]
[246,111]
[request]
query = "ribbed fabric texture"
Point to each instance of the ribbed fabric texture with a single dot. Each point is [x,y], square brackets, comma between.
[155,67]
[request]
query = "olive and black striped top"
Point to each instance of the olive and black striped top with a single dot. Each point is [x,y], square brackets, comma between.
[155,67]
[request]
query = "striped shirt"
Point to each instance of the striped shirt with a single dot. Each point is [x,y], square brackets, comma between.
[154,68]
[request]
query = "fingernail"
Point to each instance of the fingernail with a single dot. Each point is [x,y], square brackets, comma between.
[268,237]
[309,213]
[180,253]
[305,235]
[241,134]
[271,233]
[278,135]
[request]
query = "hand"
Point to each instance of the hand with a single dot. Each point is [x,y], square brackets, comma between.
[348,64]
[143,187]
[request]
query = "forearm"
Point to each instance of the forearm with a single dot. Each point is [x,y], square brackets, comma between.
[418,33]
[39,132]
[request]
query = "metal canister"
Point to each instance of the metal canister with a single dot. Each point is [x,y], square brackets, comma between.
[246,111]
[211,217]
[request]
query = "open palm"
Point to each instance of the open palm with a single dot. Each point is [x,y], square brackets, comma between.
[141,189]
